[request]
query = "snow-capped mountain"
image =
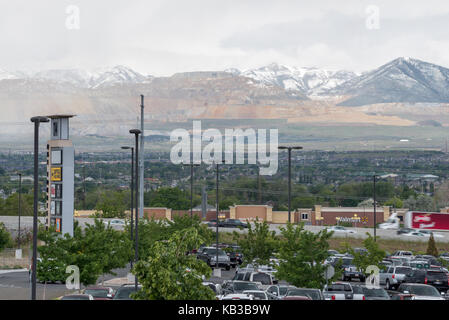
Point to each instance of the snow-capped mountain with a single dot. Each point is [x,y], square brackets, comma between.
[307,80]
[116,75]
[91,79]
[4,74]
[403,80]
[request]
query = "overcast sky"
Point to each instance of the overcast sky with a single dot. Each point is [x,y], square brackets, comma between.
[164,37]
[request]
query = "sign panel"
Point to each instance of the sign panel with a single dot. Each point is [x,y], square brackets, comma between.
[52,207]
[429,220]
[52,190]
[56,174]
[56,157]
[58,224]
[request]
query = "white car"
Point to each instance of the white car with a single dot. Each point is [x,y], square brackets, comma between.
[115,222]
[257,295]
[427,233]
[421,234]
[237,296]
[340,229]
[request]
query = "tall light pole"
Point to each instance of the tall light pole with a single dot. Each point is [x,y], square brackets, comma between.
[191,165]
[132,192]
[141,160]
[374,203]
[20,207]
[289,175]
[37,121]
[217,267]
[136,133]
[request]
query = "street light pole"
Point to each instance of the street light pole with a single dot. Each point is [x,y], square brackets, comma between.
[20,208]
[216,226]
[37,121]
[191,185]
[136,133]
[132,193]
[374,200]
[289,176]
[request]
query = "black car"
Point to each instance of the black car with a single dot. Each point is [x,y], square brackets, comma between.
[124,292]
[235,255]
[349,269]
[404,230]
[435,278]
[375,293]
[233,223]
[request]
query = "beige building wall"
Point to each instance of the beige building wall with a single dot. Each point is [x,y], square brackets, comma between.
[250,212]
[280,217]
[231,212]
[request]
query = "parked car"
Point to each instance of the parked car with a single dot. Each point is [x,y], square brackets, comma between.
[313,294]
[236,296]
[394,276]
[420,291]
[350,271]
[297,298]
[215,287]
[257,294]
[340,291]
[233,223]
[436,278]
[419,264]
[375,293]
[124,292]
[339,229]
[236,286]
[77,297]
[115,222]
[235,255]
[100,293]
[403,253]
[209,255]
[279,290]
[264,279]
[402,296]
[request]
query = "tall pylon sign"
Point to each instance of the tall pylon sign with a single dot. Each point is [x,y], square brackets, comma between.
[60,176]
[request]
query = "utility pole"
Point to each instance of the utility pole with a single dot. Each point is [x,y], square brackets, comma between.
[136,132]
[142,156]
[36,121]
[20,209]
[289,176]
[374,199]
[84,187]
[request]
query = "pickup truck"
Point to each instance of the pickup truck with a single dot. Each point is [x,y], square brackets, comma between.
[341,291]
[393,276]
[209,255]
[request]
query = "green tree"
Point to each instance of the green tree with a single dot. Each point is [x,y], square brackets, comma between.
[5,237]
[302,255]
[96,250]
[169,274]
[394,202]
[112,204]
[258,244]
[373,256]
[431,247]
[173,198]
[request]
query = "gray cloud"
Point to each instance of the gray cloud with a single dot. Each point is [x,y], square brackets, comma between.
[164,37]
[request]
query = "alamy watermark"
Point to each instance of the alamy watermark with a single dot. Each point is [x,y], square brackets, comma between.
[72,21]
[261,147]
